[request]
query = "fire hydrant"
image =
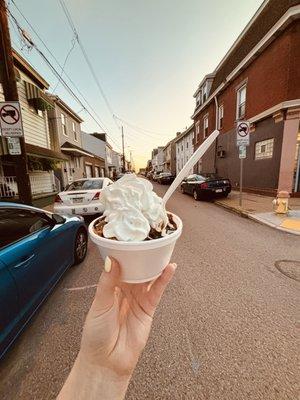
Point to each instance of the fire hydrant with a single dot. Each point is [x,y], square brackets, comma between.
[281,203]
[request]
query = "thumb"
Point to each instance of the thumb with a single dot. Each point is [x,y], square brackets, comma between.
[109,280]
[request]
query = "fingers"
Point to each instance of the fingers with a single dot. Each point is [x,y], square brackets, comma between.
[109,280]
[158,287]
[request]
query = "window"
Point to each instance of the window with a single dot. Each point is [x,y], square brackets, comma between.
[264,149]
[16,224]
[182,147]
[85,184]
[77,162]
[220,117]
[204,92]
[187,145]
[198,98]
[205,126]
[241,102]
[197,130]
[63,124]
[74,131]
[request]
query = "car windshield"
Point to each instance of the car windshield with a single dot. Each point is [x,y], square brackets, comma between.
[166,174]
[87,184]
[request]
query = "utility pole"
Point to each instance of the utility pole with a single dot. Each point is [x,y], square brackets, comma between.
[123,149]
[9,84]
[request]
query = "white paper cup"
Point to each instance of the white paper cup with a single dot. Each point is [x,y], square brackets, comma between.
[139,261]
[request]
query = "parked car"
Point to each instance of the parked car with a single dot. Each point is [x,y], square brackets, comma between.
[155,176]
[81,197]
[118,176]
[165,177]
[149,175]
[36,248]
[206,186]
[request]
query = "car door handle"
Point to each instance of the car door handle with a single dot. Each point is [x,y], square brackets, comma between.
[24,261]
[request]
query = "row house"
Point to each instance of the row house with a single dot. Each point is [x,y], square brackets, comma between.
[157,159]
[257,80]
[170,157]
[184,147]
[94,164]
[65,125]
[42,156]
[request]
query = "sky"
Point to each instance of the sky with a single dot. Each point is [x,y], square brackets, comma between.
[149,57]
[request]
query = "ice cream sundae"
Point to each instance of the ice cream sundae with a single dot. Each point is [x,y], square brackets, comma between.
[133,212]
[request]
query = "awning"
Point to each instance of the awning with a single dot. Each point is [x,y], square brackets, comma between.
[37,98]
[73,150]
[42,152]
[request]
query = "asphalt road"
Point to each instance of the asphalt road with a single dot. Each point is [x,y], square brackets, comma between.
[227,326]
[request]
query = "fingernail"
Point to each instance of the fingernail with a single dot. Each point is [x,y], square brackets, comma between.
[174,265]
[107,264]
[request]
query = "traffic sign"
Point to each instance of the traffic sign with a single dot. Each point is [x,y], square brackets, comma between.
[14,147]
[10,119]
[242,151]
[243,133]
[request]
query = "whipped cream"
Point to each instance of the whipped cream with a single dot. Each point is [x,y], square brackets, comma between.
[132,209]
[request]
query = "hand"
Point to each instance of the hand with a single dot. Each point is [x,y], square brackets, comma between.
[118,324]
[115,333]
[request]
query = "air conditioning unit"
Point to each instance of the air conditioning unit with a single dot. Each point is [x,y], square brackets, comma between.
[221,153]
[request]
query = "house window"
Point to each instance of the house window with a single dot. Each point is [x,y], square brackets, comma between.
[197,130]
[187,145]
[74,131]
[198,99]
[205,126]
[63,124]
[264,149]
[220,116]
[241,102]
[204,93]
[182,147]
[77,162]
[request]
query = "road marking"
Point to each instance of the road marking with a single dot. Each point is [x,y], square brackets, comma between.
[80,288]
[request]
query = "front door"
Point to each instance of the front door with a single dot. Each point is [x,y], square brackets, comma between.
[89,171]
[97,172]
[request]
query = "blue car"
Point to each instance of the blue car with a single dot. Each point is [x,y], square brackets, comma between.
[36,248]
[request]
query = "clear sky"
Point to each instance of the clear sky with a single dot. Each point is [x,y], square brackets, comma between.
[148,55]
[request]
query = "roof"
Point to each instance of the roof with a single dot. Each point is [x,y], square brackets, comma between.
[27,68]
[65,107]
[182,134]
[265,17]
[72,148]
[207,77]
[44,152]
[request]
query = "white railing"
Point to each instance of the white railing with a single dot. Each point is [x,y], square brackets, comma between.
[8,186]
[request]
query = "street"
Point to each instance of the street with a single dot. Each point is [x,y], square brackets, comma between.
[225,329]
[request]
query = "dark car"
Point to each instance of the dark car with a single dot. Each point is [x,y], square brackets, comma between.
[165,178]
[206,186]
[36,248]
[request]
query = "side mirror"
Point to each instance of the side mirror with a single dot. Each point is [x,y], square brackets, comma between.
[58,219]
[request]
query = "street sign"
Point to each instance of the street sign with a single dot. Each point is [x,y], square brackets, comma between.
[10,119]
[242,151]
[243,133]
[14,147]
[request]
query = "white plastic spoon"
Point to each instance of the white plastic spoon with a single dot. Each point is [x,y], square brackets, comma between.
[190,163]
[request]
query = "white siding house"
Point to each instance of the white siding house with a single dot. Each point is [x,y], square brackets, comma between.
[184,147]
[38,142]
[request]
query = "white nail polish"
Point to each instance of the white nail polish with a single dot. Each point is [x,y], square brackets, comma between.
[107,264]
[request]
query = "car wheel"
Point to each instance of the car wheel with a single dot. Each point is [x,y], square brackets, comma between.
[182,190]
[80,248]
[195,194]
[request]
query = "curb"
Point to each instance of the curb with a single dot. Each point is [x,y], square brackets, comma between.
[238,211]
[251,216]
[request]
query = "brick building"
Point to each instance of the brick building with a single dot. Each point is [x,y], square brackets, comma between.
[257,80]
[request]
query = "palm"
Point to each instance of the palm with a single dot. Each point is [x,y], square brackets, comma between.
[117,329]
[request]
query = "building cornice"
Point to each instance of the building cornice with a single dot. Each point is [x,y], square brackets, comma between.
[291,14]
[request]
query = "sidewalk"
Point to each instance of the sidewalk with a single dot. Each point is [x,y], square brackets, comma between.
[259,208]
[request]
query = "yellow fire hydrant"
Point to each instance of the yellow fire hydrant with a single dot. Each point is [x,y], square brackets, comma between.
[281,203]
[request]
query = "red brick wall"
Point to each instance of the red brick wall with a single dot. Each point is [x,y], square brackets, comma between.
[273,77]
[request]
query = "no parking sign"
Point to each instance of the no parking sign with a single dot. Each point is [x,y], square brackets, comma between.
[10,119]
[243,133]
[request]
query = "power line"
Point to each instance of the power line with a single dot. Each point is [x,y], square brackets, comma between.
[65,62]
[74,30]
[58,75]
[136,127]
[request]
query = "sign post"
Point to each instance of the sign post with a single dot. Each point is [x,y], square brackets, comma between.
[242,140]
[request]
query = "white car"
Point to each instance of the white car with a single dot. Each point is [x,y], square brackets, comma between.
[81,197]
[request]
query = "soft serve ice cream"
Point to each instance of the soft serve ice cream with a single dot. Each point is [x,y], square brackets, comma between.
[133,210]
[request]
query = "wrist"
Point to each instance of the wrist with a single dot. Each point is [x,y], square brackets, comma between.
[90,381]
